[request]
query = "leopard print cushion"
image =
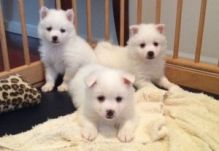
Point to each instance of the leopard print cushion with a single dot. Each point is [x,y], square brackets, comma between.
[15,93]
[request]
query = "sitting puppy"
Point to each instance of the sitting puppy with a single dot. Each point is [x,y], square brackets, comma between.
[104,96]
[62,51]
[143,55]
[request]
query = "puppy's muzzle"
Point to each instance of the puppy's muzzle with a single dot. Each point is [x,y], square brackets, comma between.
[150,55]
[55,39]
[110,114]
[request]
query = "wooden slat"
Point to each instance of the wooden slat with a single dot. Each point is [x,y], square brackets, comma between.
[107,20]
[24,32]
[122,22]
[74,6]
[58,4]
[177,28]
[200,30]
[213,68]
[139,11]
[33,73]
[3,41]
[158,11]
[41,3]
[193,78]
[89,27]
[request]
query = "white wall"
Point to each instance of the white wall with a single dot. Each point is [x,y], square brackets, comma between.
[12,19]
[97,9]
[190,17]
[210,49]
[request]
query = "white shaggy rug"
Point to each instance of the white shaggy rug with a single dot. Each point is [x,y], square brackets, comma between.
[173,121]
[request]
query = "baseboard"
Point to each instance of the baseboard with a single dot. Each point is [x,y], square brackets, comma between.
[26,71]
[15,27]
[187,55]
[193,78]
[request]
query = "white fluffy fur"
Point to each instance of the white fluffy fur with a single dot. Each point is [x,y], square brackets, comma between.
[92,81]
[134,59]
[66,55]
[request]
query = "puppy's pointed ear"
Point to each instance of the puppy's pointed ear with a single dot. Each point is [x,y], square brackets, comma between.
[43,12]
[133,29]
[128,79]
[91,80]
[70,15]
[160,28]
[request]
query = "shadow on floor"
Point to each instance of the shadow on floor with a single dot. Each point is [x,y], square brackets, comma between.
[53,105]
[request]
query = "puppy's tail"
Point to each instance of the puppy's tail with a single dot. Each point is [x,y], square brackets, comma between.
[104,45]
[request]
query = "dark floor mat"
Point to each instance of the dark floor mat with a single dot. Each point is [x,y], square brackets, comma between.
[53,104]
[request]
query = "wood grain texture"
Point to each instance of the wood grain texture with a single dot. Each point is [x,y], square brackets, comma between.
[177,28]
[41,3]
[213,68]
[107,20]
[122,23]
[4,47]
[158,11]
[89,25]
[74,6]
[33,73]
[24,31]
[58,4]
[139,11]
[193,78]
[200,30]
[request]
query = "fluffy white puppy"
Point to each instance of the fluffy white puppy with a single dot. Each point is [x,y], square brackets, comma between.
[104,96]
[143,55]
[62,51]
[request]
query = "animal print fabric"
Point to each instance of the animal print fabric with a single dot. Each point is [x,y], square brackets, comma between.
[16,93]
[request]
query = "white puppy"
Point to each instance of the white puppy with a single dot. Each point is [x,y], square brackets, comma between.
[62,50]
[143,56]
[104,96]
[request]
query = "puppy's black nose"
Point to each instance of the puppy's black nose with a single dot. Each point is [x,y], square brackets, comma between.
[109,114]
[54,38]
[150,54]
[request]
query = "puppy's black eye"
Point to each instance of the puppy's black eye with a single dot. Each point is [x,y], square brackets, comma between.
[101,98]
[62,30]
[156,44]
[118,99]
[142,45]
[49,28]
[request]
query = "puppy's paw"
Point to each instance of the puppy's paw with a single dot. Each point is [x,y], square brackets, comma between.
[125,135]
[63,87]
[153,96]
[174,88]
[89,134]
[158,130]
[47,87]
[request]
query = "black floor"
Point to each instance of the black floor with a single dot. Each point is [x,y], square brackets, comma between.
[54,104]
[198,91]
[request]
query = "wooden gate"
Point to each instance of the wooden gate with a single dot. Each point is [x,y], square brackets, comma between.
[186,72]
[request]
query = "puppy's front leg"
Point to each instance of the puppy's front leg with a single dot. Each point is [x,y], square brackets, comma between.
[126,131]
[50,79]
[143,83]
[165,83]
[88,129]
[67,77]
